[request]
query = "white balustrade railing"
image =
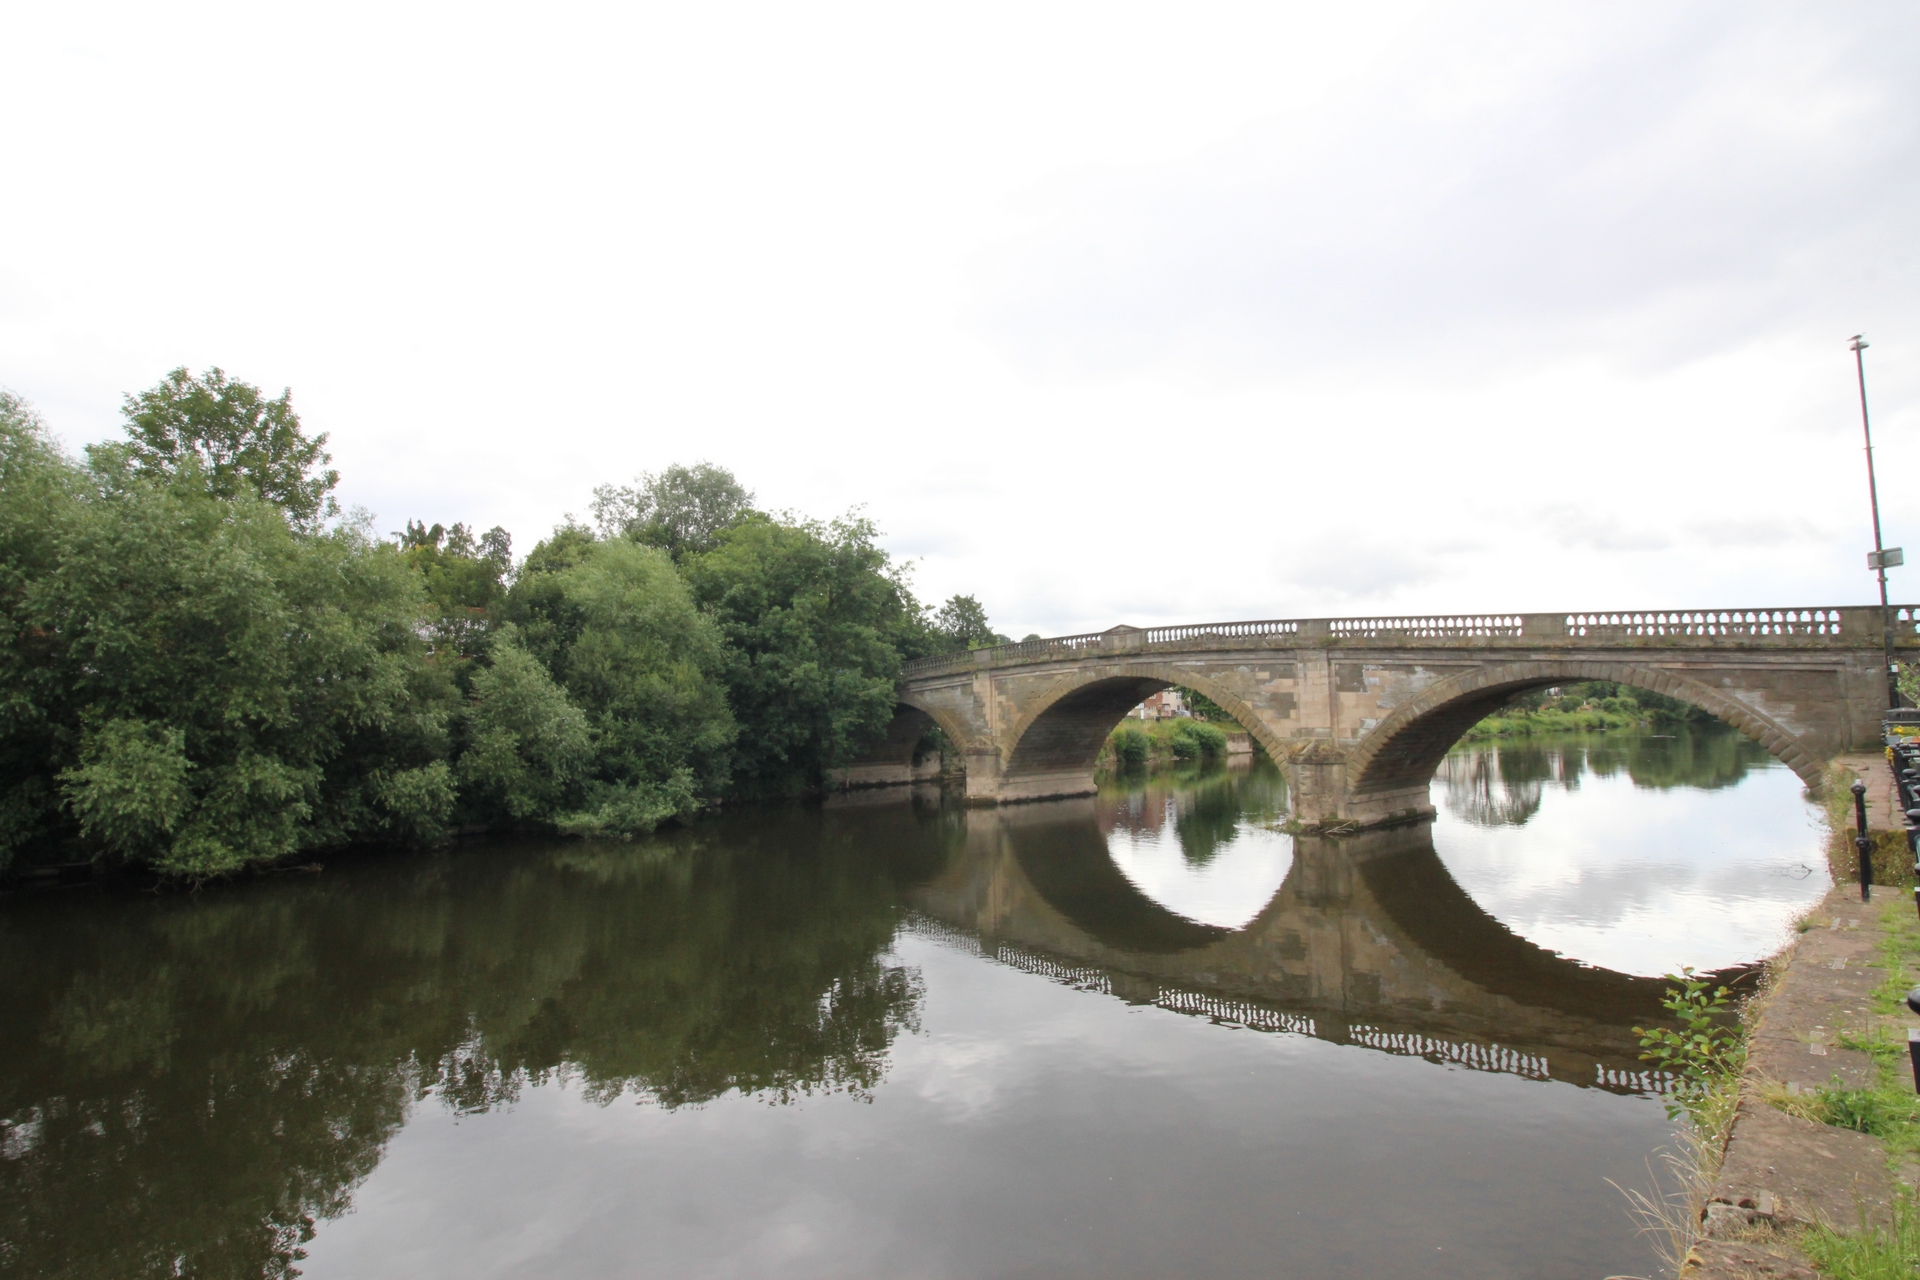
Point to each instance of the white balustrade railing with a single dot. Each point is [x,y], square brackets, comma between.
[1497,625]
[1709,622]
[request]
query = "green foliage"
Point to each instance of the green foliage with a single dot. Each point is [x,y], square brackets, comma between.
[1206,708]
[682,510]
[226,436]
[1183,739]
[529,749]
[961,623]
[198,676]
[198,683]
[130,791]
[1866,1110]
[1877,1254]
[465,581]
[1588,707]
[39,496]
[1702,1052]
[815,619]
[618,631]
[1195,739]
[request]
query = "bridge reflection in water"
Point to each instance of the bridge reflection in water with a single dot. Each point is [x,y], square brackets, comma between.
[1368,941]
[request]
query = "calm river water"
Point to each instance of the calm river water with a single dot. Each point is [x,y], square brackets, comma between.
[1142,1035]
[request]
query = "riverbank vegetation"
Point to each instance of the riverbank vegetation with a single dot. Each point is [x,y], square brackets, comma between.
[1705,1056]
[1140,742]
[1590,707]
[208,668]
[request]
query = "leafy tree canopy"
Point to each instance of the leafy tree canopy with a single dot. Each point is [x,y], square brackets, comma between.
[617,629]
[682,510]
[962,623]
[199,675]
[193,684]
[815,618]
[228,436]
[465,582]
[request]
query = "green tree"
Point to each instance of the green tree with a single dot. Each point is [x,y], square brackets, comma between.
[39,498]
[465,580]
[195,684]
[614,625]
[815,618]
[682,510]
[529,749]
[226,435]
[962,624]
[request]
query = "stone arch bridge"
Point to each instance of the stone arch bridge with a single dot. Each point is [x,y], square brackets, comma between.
[1360,711]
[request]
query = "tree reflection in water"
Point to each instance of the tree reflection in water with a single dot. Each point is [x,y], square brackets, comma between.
[189,1084]
[1209,804]
[1494,784]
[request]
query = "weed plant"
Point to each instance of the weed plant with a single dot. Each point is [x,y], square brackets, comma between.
[1703,1055]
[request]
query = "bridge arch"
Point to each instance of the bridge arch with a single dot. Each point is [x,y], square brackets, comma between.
[1399,756]
[890,760]
[1063,729]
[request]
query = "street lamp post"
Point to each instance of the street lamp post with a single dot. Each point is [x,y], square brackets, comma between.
[1881,559]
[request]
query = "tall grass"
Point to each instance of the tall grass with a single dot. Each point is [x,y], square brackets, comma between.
[1870,1254]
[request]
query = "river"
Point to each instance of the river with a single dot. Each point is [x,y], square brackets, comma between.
[1139,1035]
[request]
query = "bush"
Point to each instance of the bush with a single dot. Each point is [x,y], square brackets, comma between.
[1206,739]
[619,633]
[1130,746]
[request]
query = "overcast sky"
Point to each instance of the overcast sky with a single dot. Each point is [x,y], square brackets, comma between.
[1107,312]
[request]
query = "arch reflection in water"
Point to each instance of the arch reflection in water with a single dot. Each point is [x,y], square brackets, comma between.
[190,1085]
[1368,940]
[1205,842]
[1635,852]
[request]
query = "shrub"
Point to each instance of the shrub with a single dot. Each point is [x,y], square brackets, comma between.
[1200,739]
[1130,746]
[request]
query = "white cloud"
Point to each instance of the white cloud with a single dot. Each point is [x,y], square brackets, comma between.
[1108,313]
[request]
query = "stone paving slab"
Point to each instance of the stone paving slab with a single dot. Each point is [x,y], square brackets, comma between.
[1833,975]
[1805,1172]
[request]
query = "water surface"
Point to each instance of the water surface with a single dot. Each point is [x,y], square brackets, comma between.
[1142,1034]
